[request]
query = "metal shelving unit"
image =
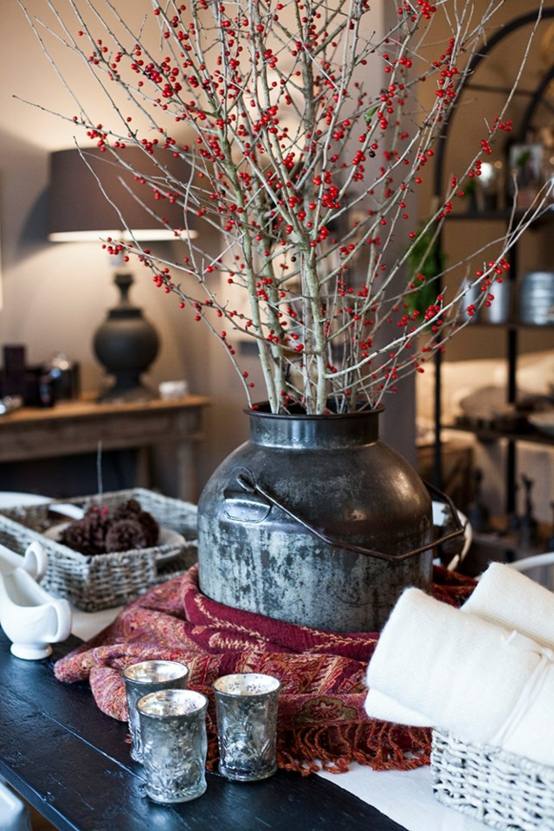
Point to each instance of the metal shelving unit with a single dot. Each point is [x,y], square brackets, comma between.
[513,328]
[487,434]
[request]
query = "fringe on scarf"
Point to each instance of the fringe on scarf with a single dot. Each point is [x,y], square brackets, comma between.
[333,748]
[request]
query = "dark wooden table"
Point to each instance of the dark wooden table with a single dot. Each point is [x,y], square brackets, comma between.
[72,764]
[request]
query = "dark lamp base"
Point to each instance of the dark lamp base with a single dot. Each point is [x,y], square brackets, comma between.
[126,344]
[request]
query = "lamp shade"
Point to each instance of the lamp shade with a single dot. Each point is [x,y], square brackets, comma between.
[78,210]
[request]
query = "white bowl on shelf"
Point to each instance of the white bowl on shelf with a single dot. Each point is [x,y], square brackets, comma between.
[544,422]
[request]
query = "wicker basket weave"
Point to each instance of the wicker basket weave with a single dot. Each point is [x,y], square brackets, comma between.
[498,788]
[104,580]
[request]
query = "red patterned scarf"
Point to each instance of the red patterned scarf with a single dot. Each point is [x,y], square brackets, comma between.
[322,722]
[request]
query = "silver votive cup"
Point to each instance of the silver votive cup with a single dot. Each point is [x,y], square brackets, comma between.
[174,744]
[148,677]
[246,707]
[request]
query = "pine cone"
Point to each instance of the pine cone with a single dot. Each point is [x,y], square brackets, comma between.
[150,527]
[127,510]
[76,536]
[97,532]
[125,535]
[132,510]
[87,535]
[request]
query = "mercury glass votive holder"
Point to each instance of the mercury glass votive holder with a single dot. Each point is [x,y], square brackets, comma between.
[174,744]
[246,706]
[148,677]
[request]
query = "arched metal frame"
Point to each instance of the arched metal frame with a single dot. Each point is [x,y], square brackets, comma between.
[534,102]
[510,27]
[535,98]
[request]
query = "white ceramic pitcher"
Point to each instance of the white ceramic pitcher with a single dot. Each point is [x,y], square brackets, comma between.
[34,561]
[30,617]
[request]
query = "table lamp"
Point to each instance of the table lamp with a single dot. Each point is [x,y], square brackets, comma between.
[126,343]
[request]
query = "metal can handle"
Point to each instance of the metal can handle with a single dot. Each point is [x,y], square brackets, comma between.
[246,480]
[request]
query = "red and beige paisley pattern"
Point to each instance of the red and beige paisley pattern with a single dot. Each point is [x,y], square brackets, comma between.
[321,717]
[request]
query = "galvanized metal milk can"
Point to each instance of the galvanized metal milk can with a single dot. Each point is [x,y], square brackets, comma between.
[315,521]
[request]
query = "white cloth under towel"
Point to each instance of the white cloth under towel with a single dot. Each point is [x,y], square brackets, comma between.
[478,680]
[503,596]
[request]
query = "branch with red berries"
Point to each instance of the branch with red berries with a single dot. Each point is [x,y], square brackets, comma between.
[305,169]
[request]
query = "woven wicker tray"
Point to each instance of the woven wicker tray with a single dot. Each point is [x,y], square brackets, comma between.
[104,580]
[498,788]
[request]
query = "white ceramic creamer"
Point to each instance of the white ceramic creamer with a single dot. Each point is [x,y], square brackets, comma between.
[34,561]
[30,617]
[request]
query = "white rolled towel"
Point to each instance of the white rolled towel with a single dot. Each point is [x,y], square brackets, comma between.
[383,707]
[455,670]
[503,596]
[531,731]
[510,599]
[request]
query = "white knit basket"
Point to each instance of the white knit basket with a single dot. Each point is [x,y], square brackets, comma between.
[499,789]
[105,580]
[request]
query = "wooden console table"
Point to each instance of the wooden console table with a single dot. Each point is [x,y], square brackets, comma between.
[77,426]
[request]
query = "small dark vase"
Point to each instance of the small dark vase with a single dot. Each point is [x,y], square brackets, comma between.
[332,473]
[126,344]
